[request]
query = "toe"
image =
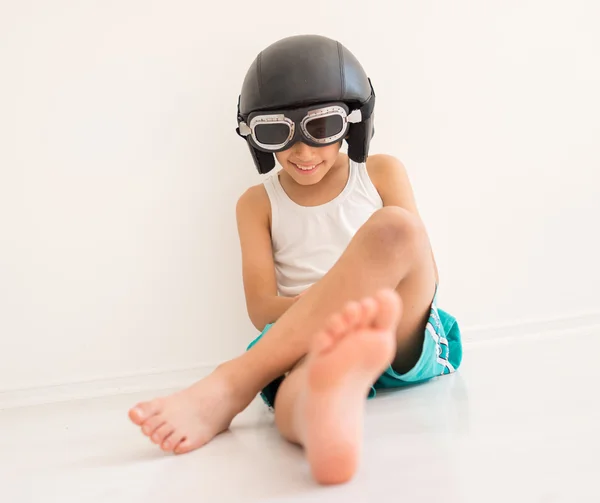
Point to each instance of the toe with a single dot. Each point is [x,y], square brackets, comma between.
[175,441]
[368,308]
[151,425]
[169,442]
[187,445]
[389,310]
[183,447]
[142,411]
[161,433]
[352,315]
[336,325]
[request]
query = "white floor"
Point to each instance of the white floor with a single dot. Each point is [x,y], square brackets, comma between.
[519,422]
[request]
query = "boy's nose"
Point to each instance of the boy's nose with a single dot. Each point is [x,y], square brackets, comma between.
[302,150]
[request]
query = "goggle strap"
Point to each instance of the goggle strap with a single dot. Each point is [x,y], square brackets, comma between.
[355,116]
[244,130]
[367,109]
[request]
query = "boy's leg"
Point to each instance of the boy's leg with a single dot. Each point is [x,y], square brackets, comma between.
[321,402]
[390,251]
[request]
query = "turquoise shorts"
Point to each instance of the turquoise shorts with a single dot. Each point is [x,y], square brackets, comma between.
[441,354]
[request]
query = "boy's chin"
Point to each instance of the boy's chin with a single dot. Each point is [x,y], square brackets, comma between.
[306,180]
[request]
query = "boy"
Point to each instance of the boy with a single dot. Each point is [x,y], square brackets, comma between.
[326,230]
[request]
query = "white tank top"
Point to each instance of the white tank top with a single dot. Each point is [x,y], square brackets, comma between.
[307,241]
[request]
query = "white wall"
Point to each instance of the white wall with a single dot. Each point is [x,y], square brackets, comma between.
[120,167]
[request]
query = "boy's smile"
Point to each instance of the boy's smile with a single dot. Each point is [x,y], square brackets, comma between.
[306,168]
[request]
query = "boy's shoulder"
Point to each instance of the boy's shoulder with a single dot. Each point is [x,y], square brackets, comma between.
[391,180]
[256,192]
[382,165]
[254,201]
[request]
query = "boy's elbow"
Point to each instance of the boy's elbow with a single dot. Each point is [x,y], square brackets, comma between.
[265,309]
[257,317]
[257,321]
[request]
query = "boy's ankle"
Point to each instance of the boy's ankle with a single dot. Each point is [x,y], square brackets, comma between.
[241,383]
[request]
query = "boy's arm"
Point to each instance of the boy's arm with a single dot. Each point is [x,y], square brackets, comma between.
[391,181]
[253,213]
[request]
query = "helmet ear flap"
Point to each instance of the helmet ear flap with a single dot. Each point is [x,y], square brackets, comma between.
[359,138]
[264,161]
[361,133]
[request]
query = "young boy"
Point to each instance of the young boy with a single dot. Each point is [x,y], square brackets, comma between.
[323,233]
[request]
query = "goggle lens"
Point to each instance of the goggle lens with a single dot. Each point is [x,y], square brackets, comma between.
[272,134]
[325,127]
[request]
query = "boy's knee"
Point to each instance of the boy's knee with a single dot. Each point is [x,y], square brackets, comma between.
[395,230]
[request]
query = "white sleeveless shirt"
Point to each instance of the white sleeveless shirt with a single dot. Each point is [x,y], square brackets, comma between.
[308,241]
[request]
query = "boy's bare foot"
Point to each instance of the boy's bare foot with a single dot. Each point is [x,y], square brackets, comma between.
[190,418]
[344,361]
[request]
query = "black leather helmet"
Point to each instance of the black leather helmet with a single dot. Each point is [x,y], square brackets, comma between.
[303,72]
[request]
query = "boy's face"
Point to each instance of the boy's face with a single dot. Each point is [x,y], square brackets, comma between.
[308,165]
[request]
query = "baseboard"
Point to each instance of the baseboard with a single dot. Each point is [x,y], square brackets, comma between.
[179,378]
[583,322]
[118,385]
